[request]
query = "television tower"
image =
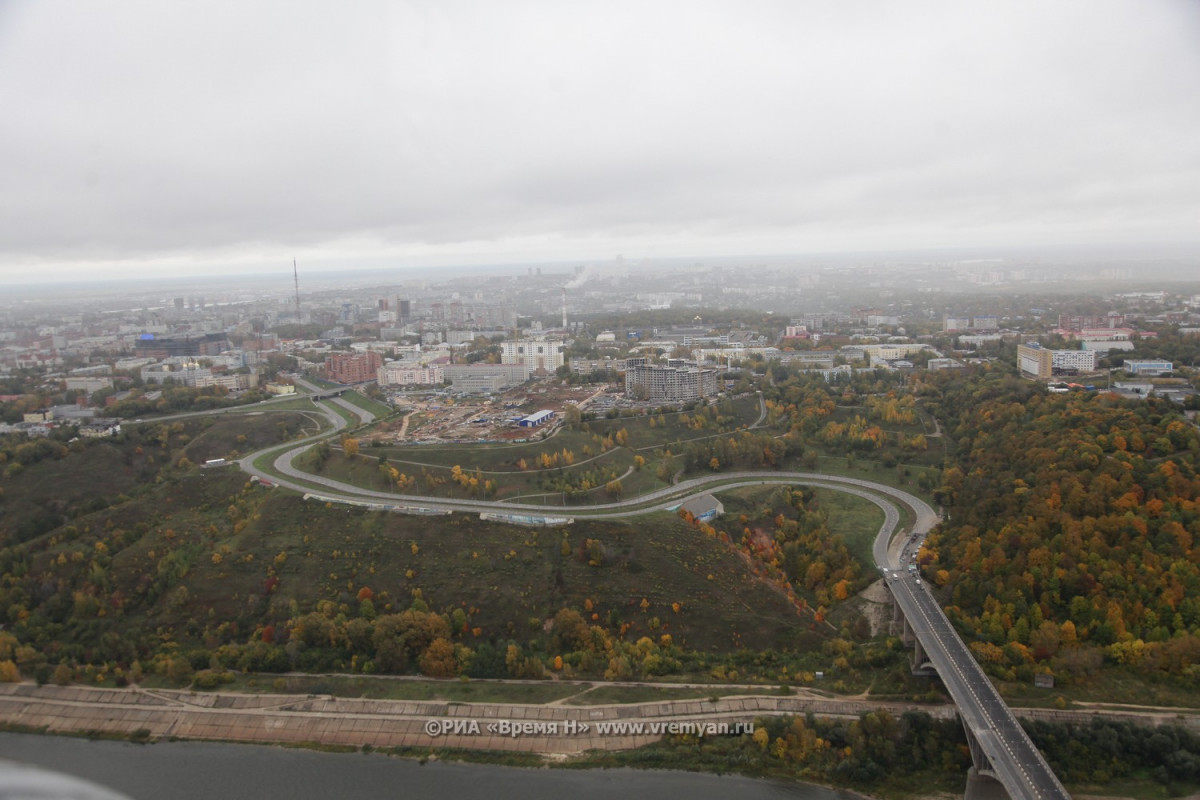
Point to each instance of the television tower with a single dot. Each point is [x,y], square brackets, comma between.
[296,278]
[564,307]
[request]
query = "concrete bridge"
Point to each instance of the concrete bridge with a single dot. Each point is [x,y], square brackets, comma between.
[1004,761]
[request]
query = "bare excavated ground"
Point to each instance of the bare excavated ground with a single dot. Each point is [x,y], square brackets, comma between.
[877,607]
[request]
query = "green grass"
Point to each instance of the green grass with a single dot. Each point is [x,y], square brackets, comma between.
[384,688]
[297,403]
[352,420]
[853,518]
[872,469]
[240,434]
[363,470]
[1112,686]
[606,695]
[380,410]
[97,473]
[1136,788]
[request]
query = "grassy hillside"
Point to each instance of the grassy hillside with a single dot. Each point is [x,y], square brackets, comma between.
[46,483]
[196,567]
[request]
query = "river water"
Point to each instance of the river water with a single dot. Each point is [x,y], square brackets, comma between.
[211,771]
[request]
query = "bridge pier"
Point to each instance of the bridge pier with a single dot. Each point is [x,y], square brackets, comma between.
[919,661]
[982,783]
[983,787]
[897,615]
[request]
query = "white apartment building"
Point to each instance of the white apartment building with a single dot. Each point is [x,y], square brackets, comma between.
[1080,360]
[408,374]
[536,354]
[885,352]
[89,384]
[978,339]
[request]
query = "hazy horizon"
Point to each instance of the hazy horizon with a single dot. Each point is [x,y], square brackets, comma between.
[190,138]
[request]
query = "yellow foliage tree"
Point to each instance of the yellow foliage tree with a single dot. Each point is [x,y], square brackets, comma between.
[761,738]
[439,659]
[9,672]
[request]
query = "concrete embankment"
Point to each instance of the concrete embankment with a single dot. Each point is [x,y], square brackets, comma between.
[329,721]
[324,720]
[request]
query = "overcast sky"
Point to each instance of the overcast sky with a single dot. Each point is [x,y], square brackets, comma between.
[215,137]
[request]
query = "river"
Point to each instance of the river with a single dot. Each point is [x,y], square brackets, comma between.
[208,771]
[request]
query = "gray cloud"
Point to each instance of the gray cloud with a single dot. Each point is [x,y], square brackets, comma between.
[441,131]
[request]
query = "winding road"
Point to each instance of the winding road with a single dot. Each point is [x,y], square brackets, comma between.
[1000,747]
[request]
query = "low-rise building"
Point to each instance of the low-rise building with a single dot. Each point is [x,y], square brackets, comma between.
[100,427]
[943,363]
[486,383]
[133,363]
[508,375]
[536,419]
[979,339]
[88,384]
[409,374]
[1108,346]
[832,373]
[1148,367]
[186,373]
[882,352]
[1073,360]
[704,508]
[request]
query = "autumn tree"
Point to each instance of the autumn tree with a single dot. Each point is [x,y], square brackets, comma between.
[439,659]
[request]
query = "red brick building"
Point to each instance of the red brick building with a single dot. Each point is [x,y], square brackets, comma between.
[353,367]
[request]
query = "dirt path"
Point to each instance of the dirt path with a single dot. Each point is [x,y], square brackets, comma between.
[404,425]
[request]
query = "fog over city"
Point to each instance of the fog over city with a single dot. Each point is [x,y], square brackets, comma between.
[198,139]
